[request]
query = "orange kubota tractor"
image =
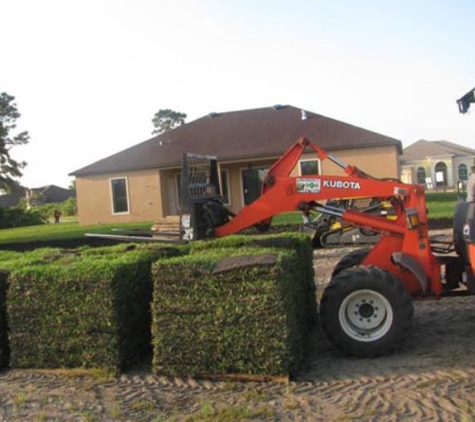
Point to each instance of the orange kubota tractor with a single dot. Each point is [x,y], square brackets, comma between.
[367,307]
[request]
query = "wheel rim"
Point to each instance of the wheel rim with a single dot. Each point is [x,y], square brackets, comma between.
[366,315]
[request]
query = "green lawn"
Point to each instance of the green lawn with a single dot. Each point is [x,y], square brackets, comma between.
[64,230]
[440,205]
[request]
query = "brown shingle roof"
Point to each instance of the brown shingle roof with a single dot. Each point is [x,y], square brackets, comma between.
[423,149]
[265,132]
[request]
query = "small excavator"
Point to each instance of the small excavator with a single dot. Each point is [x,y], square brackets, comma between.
[367,307]
[329,231]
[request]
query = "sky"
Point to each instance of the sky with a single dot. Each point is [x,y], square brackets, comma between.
[89,75]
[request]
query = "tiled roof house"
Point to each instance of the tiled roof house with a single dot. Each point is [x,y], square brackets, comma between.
[141,183]
[436,163]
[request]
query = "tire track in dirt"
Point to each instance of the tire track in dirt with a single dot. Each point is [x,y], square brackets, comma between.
[442,395]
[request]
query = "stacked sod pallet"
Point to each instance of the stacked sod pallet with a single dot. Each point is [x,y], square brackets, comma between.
[10,258]
[304,288]
[73,309]
[4,347]
[239,305]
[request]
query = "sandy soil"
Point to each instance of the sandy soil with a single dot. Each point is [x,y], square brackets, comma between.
[430,378]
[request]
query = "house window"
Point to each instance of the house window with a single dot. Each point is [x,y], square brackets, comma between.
[120,198]
[421,175]
[309,167]
[463,172]
[441,173]
[225,187]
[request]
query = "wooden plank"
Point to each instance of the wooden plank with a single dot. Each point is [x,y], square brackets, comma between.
[170,223]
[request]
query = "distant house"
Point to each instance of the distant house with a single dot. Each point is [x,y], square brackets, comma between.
[142,183]
[436,163]
[37,196]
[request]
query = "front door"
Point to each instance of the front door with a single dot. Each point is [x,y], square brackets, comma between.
[172,195]
[252,184]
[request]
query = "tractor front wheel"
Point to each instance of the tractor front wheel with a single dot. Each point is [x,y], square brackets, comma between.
[366,311]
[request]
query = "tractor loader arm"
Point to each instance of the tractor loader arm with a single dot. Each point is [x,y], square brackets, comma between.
[283,193]
[406,232]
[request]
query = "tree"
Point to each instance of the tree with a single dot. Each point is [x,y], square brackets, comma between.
[165,120]
[10,169]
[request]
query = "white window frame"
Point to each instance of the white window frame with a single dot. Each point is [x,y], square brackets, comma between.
[228,186]
[319,162]
[126,179]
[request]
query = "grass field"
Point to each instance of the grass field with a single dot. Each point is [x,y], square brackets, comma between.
[440,205]
[62,231]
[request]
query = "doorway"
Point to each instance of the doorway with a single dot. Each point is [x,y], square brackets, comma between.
[252,184]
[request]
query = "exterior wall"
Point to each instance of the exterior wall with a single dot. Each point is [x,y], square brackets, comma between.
[409,169]
[235,179]
[378,161]
[448,161]
[408,174]
[468,161]
[154,193]
[94,198]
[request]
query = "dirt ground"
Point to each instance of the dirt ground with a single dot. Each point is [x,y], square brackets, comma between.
[430,378]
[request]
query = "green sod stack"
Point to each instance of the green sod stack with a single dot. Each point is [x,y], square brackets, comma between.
[81,310]
[303,272]
[4,347]
[234,307]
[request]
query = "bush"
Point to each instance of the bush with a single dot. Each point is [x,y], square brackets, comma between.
[69,207]
[237,309]
[80,310]
[441,197]
[18,217]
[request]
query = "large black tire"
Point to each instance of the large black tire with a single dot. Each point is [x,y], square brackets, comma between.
[366,311]
[350,260]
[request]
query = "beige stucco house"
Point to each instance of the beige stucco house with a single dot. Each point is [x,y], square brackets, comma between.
[437,164]
[142,183]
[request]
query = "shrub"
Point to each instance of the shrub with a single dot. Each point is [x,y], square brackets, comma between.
[69,207]
[18,217]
